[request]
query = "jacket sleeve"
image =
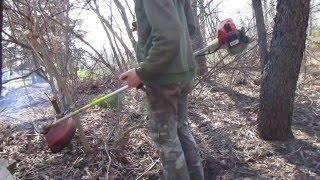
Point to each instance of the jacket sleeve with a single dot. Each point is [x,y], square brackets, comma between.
[165,34]
[190,18]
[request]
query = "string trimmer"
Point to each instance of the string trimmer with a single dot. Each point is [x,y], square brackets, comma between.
[61,132]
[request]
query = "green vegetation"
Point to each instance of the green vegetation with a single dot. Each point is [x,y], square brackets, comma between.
[84,73]
[110,102]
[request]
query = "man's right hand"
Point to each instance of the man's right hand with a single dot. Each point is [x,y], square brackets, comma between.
[131,78]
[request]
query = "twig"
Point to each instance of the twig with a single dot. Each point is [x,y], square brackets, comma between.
[242,172]
[125,135]
[21,77]
[109,163]
[293,153]
[47,95]
[10,117]
[312,109]
[3,110]
[70,169]
[148,169]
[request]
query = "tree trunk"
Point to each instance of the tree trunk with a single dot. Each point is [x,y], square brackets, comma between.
[266,13]
[311,19]
[66,69]
[124,17]
[282,72]
[56,80]
[114,51]
[108,26]
[1,60]
[198,41]
[262,34]
[272,8]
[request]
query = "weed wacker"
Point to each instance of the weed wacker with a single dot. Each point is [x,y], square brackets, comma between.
[62,131]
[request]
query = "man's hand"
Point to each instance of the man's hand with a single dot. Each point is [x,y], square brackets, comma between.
[131,78]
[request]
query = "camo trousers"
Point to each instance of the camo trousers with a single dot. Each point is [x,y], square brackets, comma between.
[170,132]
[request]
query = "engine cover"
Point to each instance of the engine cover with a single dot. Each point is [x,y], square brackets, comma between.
[234,40]
[224,28]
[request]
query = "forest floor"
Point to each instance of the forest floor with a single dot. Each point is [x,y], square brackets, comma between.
[222,119]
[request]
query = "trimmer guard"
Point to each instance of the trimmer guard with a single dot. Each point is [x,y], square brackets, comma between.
[60,135]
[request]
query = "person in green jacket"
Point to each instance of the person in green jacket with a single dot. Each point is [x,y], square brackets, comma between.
[167,68]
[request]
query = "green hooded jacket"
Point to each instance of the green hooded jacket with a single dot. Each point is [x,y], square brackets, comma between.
[164,50]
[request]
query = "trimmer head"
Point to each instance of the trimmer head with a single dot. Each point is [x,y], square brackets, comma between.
[60,135]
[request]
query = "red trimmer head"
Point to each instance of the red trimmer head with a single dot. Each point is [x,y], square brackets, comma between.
[60,135]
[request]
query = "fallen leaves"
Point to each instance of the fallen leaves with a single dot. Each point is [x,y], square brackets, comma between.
[223,123]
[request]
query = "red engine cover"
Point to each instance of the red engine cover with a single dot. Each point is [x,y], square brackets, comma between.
[224,28]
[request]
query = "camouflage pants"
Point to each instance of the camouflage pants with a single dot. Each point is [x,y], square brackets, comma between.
[169,130]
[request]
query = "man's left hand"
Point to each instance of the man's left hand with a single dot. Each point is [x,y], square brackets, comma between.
[131,78]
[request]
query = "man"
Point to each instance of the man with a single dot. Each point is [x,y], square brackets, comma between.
[167,67]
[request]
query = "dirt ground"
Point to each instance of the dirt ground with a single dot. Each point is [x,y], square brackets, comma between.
[223,120]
